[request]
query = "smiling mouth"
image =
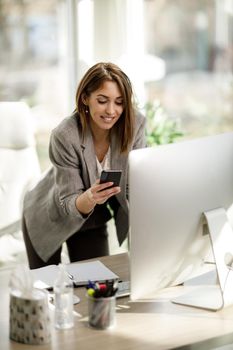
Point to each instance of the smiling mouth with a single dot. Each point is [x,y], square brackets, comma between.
[108,119]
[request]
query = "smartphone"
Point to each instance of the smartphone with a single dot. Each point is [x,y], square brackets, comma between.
[111,176]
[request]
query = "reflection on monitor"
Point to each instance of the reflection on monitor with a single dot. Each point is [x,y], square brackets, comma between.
[171,186]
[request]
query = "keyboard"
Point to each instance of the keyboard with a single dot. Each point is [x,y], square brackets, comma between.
[123,289]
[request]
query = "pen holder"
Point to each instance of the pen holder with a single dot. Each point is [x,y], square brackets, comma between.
[101,312]
[29,318]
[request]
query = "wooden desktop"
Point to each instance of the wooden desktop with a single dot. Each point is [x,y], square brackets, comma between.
[147,324]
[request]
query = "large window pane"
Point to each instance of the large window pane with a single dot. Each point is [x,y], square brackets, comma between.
[195,40]
[32,62]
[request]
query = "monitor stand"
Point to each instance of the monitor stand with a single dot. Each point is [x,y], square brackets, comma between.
[219,293]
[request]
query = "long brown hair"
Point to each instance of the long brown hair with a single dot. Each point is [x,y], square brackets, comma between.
[93,80]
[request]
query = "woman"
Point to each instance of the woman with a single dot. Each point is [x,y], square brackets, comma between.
[69,204]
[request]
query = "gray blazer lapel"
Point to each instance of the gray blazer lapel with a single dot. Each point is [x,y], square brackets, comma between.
[89,156]
[117,161]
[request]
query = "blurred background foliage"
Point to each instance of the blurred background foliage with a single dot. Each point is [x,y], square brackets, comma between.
[160,128]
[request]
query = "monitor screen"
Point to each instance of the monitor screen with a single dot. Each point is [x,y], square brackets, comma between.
[170,188]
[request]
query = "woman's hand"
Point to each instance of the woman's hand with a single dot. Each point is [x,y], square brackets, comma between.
[96,194]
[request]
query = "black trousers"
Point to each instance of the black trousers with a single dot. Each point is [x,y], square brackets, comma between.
[81,245]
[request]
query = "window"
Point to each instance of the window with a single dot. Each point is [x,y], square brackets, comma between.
[195,41]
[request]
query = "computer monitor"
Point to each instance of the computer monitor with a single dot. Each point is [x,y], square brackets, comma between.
[175,190]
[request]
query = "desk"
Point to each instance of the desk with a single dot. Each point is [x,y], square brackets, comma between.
[140,325]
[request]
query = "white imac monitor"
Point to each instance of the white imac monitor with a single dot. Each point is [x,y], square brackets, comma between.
[179,194]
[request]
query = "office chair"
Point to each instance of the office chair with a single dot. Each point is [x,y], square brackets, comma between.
[19,171]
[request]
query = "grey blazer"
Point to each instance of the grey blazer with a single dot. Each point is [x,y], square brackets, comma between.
[49,208]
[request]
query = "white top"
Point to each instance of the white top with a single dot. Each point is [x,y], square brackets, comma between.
[105,164]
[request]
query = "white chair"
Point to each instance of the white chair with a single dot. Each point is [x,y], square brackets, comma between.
[19,171]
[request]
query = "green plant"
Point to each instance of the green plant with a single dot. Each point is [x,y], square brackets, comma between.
[160,129]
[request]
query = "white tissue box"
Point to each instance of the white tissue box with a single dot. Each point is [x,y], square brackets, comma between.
[29,318]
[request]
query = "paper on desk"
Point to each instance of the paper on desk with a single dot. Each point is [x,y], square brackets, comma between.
[82,272]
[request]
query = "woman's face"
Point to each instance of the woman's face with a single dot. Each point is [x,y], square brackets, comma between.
[105,106]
